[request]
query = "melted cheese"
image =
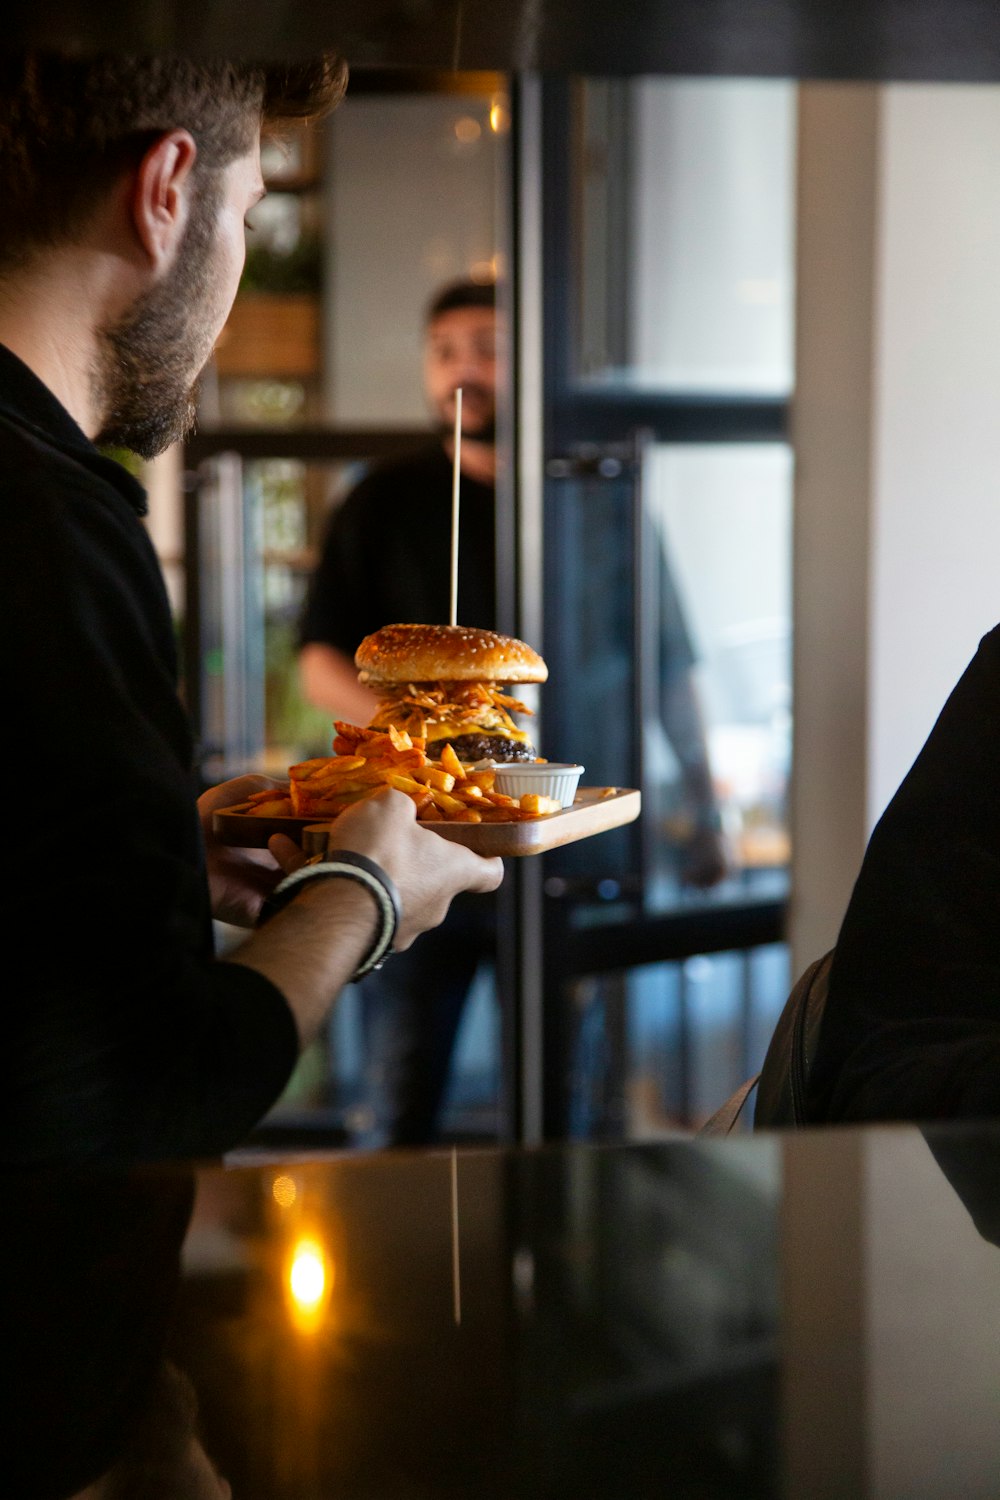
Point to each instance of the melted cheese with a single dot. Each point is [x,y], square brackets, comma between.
[447,730]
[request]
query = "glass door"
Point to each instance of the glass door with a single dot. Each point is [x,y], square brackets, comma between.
[666,270]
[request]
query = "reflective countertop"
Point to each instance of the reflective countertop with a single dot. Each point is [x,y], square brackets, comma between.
[813,1314]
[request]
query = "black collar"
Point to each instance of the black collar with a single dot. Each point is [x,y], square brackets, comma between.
[27,402]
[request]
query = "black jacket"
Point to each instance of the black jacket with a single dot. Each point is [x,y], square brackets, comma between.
[911,1028]
[125,1038]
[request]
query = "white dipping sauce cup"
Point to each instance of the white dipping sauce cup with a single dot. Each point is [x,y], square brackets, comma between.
[549,779]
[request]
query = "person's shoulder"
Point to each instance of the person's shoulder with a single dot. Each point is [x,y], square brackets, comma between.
[394,479]
[63,520]
[40,481]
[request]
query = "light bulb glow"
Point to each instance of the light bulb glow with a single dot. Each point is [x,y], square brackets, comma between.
[307,1278]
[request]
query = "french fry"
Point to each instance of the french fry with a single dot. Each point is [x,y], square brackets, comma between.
[500,799]
[534,802]
[436,777]
[350,732]
[331,805]
[448,805]
[343,764]
[274,807]
[450,762]
[405,784]
[307,768]
[378,745]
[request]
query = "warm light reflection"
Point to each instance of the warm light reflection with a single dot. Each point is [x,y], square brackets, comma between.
[499,117]
[307,1276]
[467,130]
[284,1191]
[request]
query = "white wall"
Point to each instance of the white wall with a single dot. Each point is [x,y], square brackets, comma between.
[935,582]
[898,450]
[713,261]
[410,206]
[831,433]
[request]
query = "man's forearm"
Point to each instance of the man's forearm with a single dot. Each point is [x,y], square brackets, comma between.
[310,948]
[685,728]
[330,682]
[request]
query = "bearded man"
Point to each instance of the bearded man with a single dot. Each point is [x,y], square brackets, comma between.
[126,184]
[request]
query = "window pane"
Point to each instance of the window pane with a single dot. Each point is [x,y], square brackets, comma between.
[687,235]
[411,205]
[723,515]
[702,641]
[658,1049]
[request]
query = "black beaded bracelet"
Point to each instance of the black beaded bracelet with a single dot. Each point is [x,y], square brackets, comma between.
[346,864]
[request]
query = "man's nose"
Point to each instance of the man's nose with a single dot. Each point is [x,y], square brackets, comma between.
[472,368]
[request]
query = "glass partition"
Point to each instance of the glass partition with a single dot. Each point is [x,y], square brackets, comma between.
[686,240]
[668,276]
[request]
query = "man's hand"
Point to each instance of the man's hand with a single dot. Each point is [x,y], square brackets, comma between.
[706,859]
[312,946]
[429,870]
[238,879]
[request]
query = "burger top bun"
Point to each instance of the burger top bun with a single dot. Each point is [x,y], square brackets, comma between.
[457,653]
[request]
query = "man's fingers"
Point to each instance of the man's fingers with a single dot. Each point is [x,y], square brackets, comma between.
[488,874]
[286,851]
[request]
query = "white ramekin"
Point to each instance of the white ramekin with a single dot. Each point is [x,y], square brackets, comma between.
[548,778]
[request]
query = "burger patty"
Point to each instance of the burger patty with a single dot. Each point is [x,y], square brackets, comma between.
[484,747]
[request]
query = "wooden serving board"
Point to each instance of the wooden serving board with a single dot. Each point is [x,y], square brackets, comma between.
[594,811]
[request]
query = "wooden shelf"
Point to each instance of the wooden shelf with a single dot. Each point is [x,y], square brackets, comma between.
[271,335]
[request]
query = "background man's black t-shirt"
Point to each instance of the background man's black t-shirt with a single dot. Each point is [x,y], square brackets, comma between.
[386,558]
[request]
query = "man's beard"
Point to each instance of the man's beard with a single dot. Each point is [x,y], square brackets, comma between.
[146,377]
[485,431]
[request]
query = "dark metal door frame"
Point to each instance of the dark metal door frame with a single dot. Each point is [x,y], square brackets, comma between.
[574,424]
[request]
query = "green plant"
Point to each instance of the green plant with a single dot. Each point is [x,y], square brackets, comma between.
[294,272]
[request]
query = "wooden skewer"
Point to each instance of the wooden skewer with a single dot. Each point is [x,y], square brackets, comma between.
[456,472]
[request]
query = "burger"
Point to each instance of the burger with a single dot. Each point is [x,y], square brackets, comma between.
[445,684]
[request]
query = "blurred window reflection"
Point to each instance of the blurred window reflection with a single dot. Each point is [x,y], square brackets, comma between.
[668,559]
[687,187]
[723,515]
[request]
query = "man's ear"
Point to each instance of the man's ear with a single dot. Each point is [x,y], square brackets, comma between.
[161,194]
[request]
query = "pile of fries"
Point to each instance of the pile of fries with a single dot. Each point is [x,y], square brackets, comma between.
[366,760]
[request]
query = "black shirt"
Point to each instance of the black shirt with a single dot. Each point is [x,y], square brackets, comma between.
[386,558]
[125,1037]
[911,1027]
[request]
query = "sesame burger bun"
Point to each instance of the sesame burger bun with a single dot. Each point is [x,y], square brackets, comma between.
[446,653]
